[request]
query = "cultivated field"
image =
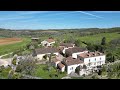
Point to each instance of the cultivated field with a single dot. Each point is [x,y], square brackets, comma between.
[5,41]
[13,45]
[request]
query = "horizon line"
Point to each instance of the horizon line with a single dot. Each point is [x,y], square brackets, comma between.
[62,28]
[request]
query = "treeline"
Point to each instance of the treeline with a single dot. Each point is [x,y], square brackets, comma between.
[55,32]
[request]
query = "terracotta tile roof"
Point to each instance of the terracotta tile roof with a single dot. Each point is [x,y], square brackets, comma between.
[71,61]
[60,65]
[61,48]
[75,50]
[50,40]
[55,60]
[46,50]
[90,54]
[67,44]
[59,57]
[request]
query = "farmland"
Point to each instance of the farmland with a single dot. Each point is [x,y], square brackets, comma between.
[13,46]
[94,39]
[5,41]
[23,37]
[98,37]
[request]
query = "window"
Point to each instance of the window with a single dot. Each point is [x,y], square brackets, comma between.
[72,68]
[89,60]
[95,59]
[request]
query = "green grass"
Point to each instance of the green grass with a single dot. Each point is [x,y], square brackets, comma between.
[98,37]
[4,73]
[4,49]
[40,72]
[7,56]
[92,38]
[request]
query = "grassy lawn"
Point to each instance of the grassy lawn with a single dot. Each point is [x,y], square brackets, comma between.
[4,49]
[4,73]
[40,72]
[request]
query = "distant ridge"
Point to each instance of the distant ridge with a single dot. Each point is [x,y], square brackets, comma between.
[58,29]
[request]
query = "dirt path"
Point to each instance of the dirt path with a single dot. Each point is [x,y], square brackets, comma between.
[5,62]
[5,55]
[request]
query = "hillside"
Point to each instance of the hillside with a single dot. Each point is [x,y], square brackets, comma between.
[54,32]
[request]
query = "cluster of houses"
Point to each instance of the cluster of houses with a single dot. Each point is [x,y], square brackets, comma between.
[75,56]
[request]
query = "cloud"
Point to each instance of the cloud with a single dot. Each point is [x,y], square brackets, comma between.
[26,16]
[88,18]
[89,14]
[14,18]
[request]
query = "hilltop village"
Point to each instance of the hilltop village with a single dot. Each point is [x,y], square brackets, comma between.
[64,56]
[68,57]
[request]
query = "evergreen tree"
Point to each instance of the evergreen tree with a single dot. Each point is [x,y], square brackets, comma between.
[103,42]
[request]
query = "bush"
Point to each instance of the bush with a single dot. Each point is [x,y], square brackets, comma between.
[26,65]
[14,61]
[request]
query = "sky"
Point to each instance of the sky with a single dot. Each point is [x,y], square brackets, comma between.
[59,19]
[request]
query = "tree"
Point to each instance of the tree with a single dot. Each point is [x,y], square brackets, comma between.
[26,65]
[69,40]
[110,57]
[77,43]
[39,41]
[77,70]
[103,42]
[90,47]
[56,44]
[14,61]
[4,71]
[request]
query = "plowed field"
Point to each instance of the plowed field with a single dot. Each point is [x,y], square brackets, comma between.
[5,41]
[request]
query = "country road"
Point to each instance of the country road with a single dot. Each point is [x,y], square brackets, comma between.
[5,62]
[5,55]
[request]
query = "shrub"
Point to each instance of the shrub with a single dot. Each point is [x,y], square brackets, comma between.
[14,61]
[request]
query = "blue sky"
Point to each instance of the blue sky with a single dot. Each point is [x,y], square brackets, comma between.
[59,19]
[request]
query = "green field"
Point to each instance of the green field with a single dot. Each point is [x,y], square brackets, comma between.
[97,38]
[90,38]
[4,49]
[40,72]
